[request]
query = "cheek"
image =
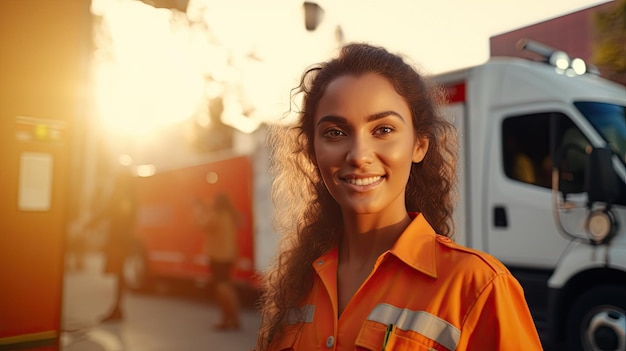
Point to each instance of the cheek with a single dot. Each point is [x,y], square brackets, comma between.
[320,156]
[326,160]
[325,152]
[401,152]
[317,154]
[400,160]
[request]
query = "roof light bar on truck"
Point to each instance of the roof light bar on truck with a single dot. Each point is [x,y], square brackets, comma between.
[559,59]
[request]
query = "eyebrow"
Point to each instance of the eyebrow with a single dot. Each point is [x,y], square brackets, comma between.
[374,117]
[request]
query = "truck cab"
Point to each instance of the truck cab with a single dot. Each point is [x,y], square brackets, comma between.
[541,182]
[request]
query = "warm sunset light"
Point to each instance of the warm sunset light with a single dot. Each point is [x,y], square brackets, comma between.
[144,75]
[158,72]
[154,67]
[171,179]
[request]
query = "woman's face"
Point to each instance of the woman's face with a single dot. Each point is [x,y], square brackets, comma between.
[364,144]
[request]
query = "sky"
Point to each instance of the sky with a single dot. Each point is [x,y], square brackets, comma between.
[256,50]
[437,35]
[443,35]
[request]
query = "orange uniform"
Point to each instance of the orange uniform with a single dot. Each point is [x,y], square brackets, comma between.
[426,293]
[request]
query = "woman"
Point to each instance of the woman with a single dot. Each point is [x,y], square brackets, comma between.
[364,187]
[120,210]
[221,246]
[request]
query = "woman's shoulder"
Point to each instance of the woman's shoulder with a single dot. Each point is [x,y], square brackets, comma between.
[464,258]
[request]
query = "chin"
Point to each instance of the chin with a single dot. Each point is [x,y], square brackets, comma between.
[361,209]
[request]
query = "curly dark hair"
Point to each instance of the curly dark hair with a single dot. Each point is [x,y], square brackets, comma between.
[308,218]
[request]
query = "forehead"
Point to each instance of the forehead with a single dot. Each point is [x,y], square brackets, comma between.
[362,95]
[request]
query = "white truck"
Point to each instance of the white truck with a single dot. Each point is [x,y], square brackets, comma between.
[559,225]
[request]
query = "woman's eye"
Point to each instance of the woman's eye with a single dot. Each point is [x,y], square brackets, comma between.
[384,130]
[334,133]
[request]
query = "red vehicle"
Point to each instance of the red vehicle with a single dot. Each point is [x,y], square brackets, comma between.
[169,242]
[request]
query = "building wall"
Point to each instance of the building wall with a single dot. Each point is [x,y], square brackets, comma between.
[572,33]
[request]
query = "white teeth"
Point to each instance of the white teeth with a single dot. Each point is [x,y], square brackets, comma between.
[363,181]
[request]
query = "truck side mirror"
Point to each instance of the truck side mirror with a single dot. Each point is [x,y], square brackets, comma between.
[588,170]
[601,184]
[600,179]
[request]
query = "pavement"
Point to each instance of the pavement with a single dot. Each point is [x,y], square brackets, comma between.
[171,319]
[167,320]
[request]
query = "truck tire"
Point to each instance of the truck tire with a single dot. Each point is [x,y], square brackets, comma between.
[597,320]
[137,275]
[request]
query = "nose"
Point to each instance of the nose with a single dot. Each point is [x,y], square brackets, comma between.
[360,152]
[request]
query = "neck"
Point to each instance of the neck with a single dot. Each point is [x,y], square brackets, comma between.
[366,237]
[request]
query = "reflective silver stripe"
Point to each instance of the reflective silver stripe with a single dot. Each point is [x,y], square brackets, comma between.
[302,314]
[421,322]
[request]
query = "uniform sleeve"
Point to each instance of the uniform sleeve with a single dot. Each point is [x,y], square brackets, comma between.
[500,319]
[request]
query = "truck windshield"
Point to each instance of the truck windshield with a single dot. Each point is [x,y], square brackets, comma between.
[610,121]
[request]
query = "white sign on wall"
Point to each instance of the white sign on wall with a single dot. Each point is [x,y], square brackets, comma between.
[35,182]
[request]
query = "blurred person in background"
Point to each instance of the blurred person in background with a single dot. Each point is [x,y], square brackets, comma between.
[220,221]
[119,213]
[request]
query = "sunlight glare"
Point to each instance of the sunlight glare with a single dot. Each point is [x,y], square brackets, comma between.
[146,80]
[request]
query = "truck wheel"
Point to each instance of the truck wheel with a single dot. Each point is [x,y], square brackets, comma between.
[136,272]
[597,321]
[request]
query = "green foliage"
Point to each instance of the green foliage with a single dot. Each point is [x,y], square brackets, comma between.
[609,52]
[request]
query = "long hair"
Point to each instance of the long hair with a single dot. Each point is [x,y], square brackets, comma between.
[308,218]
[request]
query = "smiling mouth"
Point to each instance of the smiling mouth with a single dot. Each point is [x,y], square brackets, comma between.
[363,181]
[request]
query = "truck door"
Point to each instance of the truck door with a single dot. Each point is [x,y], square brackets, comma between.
[521,230]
